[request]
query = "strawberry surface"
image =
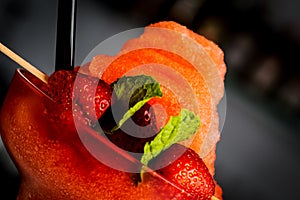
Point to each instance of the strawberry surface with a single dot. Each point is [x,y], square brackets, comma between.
[93,95]
[186,170]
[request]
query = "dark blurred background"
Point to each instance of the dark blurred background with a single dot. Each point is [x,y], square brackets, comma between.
[258,156]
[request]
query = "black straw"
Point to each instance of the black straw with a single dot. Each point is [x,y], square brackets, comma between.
[65,36]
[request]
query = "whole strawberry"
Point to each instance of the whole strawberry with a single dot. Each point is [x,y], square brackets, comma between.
[93,95]
[188,172]
[76,100]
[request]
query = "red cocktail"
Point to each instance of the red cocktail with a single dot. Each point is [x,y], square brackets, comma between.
[54,168]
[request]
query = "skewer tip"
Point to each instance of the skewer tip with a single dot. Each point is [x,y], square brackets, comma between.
[23,63]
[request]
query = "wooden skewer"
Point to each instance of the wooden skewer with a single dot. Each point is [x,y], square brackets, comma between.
[214,198]
[23,63]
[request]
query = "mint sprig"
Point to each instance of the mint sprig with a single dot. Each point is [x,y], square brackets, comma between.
[179,128]
[133,92]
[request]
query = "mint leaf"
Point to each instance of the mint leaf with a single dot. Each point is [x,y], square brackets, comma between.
[179,128]
[133,92]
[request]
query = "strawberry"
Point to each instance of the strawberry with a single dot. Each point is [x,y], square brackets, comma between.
[86,102]
[135,132]
[93,95]
[188,172]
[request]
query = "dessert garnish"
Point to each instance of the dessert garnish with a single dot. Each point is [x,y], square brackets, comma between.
[61,89]
[178,129]
[178,164]
[130,93]
[188,171]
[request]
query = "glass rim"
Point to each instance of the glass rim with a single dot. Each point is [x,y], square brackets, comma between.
[26,77]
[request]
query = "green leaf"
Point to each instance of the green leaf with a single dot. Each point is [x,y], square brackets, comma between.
[179,128]
[133,92]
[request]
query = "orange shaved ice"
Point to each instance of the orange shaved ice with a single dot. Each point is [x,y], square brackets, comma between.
[132,63]
[215,53]
[190,69]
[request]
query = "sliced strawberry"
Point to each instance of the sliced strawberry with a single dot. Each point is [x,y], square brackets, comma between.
[93,95]
[188,172]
